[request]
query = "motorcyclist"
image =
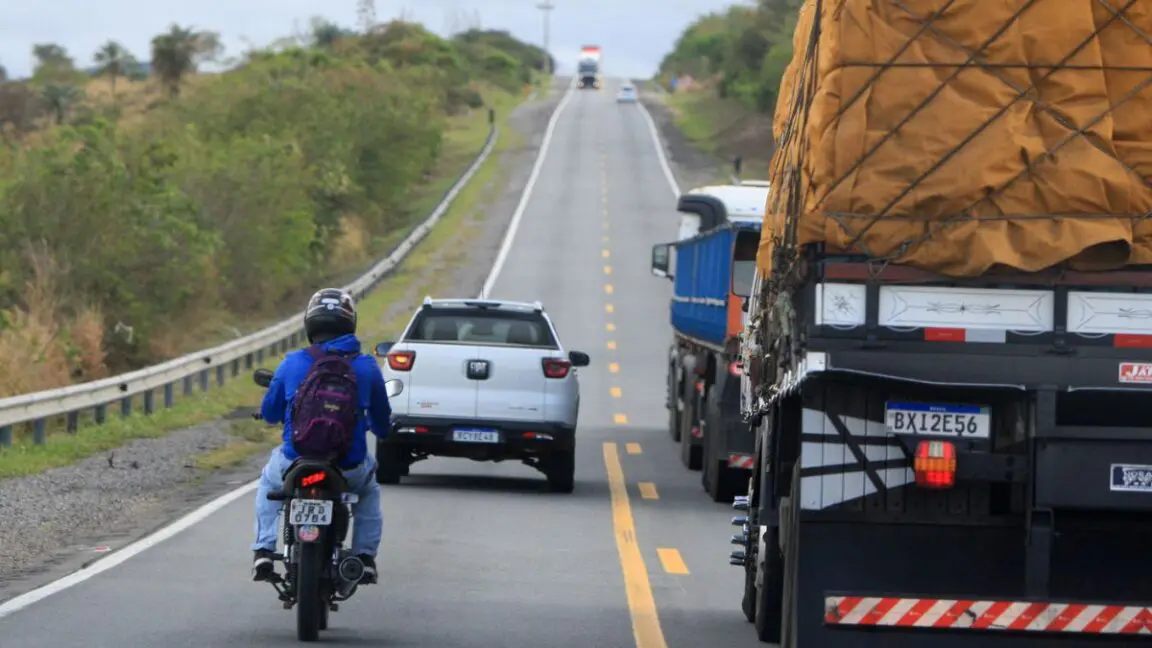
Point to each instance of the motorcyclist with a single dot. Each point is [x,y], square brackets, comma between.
[330,321]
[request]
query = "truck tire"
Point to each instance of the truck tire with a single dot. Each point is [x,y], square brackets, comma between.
[561,471]
[391,463]
[692,456]
[673,398]
[788,618]
[720,482]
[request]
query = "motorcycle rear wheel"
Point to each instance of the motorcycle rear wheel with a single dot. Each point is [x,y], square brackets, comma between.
[310,606]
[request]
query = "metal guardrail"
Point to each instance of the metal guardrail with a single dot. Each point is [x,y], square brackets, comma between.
[196,369]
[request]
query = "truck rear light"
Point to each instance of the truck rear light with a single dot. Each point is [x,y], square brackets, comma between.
[419,429]
[401,360]
[935,464]
[556,368]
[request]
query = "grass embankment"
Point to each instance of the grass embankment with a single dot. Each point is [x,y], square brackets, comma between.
[152,224]
[726,129]
[405,288]
[731,62]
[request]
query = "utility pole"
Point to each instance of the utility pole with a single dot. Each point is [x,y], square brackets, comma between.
[546,7]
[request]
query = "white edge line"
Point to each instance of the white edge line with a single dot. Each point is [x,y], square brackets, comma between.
[514,224]
[104,564]
[660,155]
[199,515]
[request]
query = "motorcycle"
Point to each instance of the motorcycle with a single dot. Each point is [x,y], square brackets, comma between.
[319,571]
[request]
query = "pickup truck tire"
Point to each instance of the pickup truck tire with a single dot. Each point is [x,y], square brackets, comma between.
[561,472]
[391,463]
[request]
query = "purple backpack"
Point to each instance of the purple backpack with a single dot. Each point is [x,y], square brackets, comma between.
[324,411]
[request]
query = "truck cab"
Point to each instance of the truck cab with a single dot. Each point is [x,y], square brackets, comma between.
[711,264]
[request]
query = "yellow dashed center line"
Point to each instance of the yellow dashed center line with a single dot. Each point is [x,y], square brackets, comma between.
[607,270]
[616,392]
[605,254]
[620,419]
[609,327]
[609,308]
[672,561]
[633,448]
[609,289]
[612,344]
[648,490]
[637,586]
[614,367]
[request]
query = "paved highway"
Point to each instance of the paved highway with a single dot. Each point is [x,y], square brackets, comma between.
[481,555]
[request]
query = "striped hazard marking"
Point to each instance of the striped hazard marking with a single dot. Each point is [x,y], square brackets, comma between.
[1016,616]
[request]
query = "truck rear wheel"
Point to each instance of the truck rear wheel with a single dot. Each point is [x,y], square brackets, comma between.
[691,455]
[788,621]
[673,399]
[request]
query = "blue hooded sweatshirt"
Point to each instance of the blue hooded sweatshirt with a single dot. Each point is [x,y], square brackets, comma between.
[373,397]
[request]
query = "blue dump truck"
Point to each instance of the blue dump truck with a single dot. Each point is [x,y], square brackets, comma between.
[711,268]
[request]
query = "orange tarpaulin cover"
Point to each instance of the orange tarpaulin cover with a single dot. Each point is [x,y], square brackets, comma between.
[1036,151]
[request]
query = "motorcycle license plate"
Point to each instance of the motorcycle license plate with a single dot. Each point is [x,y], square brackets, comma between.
[313,512]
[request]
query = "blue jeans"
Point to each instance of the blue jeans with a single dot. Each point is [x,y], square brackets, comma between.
[368,520]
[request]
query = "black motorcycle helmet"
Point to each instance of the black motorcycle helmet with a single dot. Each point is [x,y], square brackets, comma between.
[331,313]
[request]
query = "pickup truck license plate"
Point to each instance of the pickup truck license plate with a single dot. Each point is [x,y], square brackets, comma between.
[313,512]
[476,435]
[937,419]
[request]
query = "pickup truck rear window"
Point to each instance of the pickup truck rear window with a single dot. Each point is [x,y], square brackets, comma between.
[481,326]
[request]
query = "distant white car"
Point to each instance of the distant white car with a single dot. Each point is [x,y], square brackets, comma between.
[627,94]
[483,380]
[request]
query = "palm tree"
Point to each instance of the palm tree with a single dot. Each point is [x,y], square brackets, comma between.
[174,55]
[60,98]
[114,62]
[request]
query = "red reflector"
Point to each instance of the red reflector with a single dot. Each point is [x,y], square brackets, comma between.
[1126,341]
[556,368]
[935,464]
[944,335]
[314,478]
[699,386]
[735,367]
[420,429]
[401,360]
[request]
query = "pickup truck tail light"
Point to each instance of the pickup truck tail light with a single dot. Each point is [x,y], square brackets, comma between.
[556,368]
[401,360]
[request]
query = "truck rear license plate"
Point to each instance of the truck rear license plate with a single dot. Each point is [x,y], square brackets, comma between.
[934,419]
[476,435]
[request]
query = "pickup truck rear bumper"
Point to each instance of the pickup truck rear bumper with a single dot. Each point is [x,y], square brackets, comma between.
[515,437]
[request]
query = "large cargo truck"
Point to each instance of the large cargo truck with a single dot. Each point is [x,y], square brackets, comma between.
[948,352]
[588,67]
[711,267]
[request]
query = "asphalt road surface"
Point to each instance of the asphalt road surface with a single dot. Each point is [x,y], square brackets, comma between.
[477,554]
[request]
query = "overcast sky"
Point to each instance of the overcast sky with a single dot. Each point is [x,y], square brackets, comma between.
[634,34]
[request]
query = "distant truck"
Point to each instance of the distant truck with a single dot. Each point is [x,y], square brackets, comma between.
[711,267]
[588,67]
[947,356]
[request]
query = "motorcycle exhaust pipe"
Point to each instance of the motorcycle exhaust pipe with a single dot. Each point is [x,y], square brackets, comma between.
[350,570]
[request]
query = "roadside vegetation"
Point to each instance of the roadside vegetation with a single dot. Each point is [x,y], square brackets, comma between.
[383,313]
[724,78]
[147,210]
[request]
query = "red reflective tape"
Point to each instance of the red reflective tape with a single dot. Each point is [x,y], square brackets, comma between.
[944,335]
[1066,617]
[1102,619]
[991,614]
[916,612]
[1129,341]
[834,614]
[1141,621]
[878,611]
[949,618]
[1029,615]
